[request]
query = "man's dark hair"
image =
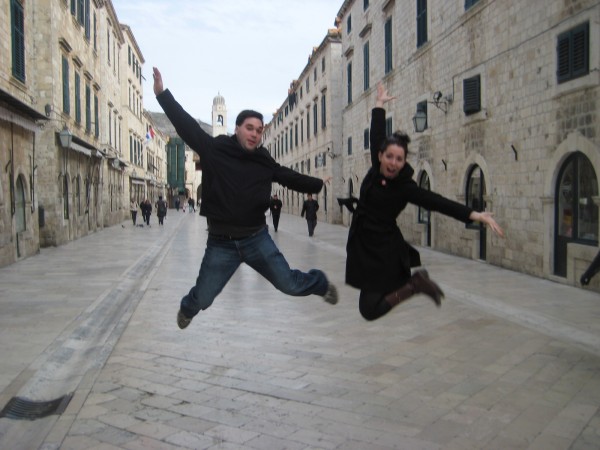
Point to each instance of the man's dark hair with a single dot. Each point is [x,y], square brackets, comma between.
[247,113]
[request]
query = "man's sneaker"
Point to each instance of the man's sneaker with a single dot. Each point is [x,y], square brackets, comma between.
[331,296]
[182,321]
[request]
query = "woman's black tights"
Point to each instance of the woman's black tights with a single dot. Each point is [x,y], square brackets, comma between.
[372,305]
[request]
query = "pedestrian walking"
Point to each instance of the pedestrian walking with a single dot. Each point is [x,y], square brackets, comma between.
[161,210]
[133,209]
[191,204]
[146,208]
[310,208]
[379,260]
[237,177]
[177,203]
[275,208]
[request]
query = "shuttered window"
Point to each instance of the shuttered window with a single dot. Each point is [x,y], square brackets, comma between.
[349,77]
[472,95]
[18,40]
[88,109]
[366,67]
[421,22]
[65,86]
[388,45]
[77,98]
[572,53]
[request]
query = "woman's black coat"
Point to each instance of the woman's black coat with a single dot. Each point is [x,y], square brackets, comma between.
[378,257]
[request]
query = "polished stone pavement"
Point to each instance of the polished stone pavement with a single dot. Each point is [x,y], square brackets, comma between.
[509,361]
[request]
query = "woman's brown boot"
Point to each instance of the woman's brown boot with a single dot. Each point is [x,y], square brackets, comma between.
[399,295]
[419,283]
[422,284]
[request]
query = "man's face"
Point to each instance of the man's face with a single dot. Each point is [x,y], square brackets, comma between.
[249,133]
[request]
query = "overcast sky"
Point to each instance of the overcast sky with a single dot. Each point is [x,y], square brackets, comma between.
[248,51]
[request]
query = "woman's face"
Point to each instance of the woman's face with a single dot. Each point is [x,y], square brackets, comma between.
[392,160]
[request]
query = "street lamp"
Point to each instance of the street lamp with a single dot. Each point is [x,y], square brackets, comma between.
[420,121]
[66,137]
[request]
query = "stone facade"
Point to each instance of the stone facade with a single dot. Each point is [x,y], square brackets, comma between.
[305,133]
[80,77]
[515,145]
[19,136]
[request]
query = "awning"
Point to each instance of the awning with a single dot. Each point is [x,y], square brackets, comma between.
[81,146]
[15,105]
[18,119]
[134,181]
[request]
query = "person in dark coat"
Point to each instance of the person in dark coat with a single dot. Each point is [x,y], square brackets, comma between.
[146,208]
[310,208]
[161,210]
[237,176]
[275,208]
[379,260]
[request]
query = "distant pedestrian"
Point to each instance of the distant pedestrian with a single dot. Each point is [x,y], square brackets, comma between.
[191,205]
[237,176]
[379,260]
[275,208]
[310,208]
[133,208]
[177,203]
[146,211]
[161,210]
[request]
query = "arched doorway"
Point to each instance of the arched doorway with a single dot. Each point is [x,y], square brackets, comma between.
[20,217]
[475,200]
[425,214]
[576,214]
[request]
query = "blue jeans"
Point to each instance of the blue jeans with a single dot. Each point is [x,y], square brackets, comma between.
[222,257]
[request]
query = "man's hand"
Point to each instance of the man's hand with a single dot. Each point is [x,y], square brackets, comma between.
[158,82]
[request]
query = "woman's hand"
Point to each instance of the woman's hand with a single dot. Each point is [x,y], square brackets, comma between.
[382,96]
[326,180]
[488,219]
[158,82]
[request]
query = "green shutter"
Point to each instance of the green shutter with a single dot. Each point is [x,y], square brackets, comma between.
[472,95]
[88,109]
[65,85]
[580,50]
[77,98]
[18,40]
[572,53]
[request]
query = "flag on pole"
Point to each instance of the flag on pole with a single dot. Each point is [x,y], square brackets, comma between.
[149,134]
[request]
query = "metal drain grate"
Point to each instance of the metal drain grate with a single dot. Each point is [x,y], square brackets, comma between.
[23,409]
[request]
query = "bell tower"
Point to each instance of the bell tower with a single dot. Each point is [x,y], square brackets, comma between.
[219,116]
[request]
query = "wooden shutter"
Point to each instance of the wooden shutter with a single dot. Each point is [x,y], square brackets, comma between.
[18,41]
[472,95]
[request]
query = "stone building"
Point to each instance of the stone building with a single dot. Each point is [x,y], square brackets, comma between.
[77,140]
[305,132]
[508,92]
[19,135]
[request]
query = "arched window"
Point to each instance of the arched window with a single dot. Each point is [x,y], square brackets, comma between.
[475,191]
[424,184]
[78,194]
[20,205]
[475,200]
[576,214]
[66,196]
